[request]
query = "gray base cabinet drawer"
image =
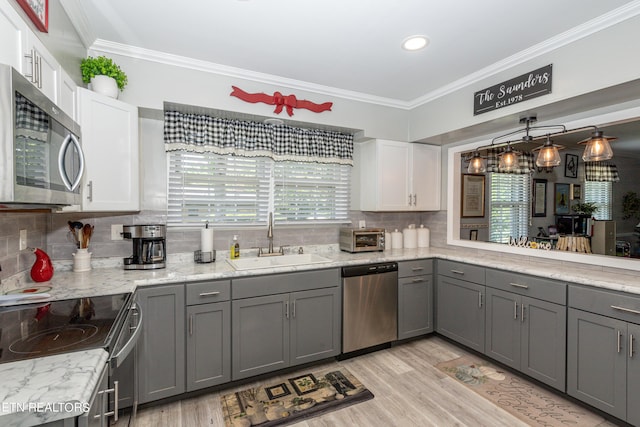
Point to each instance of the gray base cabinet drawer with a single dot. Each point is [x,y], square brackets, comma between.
[415,268]
[206,292]
[459,270]
[535,287]
[248,287]
[607,303]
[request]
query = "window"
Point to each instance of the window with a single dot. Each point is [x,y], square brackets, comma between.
[600,194]
[509,206]
[233,190]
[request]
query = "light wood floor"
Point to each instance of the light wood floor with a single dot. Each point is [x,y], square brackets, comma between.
[409,391]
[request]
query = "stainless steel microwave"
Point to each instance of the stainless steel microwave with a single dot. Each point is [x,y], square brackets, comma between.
[41,160]
[362,239]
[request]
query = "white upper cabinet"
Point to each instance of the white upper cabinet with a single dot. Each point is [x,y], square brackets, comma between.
[41,67]
[110,143]
[12,33]
[67,99]
[396,176]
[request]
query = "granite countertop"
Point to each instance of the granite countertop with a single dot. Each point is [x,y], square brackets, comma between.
[72,377]
[46,389]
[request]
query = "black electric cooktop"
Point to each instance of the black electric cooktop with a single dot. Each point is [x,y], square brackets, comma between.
[43,329]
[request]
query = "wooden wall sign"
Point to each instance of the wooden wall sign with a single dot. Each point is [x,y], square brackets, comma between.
[522,88]
[288,102]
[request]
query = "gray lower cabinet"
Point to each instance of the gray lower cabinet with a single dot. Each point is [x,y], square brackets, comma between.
[460,311]
[208,345]
[208,334]
[415,298]
[161,346]
[527,334]
[276,331]
[526,325]
[602,357]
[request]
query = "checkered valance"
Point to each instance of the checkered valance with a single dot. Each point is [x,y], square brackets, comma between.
[201,133]
[31,121]
[526,162]
[601,172]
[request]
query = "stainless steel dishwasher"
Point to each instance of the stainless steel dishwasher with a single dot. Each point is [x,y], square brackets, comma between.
[369,305]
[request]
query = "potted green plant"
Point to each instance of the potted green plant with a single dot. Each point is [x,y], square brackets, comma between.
[586,208]
[105,76]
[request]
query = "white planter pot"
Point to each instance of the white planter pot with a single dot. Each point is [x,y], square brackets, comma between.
[105,85]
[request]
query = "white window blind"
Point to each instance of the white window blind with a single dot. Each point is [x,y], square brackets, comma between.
[600,194]
[509,206]
[236,190]
[311,192]
[220,189]
[31,164]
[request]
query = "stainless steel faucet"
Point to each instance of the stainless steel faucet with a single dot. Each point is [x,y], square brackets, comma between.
[270,233]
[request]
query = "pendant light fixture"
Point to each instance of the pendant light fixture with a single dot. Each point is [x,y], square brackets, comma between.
[548,155]
[597,148]
[476,163]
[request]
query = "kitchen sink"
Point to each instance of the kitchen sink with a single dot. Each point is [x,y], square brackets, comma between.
[276,261]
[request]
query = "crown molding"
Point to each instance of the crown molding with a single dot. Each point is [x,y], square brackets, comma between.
[74,10]
[107,46]
[593,26]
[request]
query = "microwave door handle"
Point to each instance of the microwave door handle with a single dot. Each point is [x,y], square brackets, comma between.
[70,139]
[122,354]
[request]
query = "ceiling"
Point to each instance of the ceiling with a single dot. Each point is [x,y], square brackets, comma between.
[348,48]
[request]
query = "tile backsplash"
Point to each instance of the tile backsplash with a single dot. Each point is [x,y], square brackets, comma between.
[49,231]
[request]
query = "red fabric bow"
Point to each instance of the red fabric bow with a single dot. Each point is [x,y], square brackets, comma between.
[288,102]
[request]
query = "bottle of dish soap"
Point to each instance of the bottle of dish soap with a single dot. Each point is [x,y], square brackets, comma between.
[234,251]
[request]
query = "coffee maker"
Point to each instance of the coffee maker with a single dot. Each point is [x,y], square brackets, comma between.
[149,251]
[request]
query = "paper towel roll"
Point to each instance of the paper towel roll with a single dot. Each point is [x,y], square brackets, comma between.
[396,239]
[423,237]
[410,238]
[387,241]
[206,240]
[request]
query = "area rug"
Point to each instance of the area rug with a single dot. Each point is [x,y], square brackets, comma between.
[522,398]
[293,400]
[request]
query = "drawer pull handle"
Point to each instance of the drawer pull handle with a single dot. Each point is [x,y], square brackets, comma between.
[518,285]
[626,310]
[457,272]
[417,280]
[208,294]
[417,269]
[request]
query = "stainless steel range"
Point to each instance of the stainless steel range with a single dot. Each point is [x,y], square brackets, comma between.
[111,322]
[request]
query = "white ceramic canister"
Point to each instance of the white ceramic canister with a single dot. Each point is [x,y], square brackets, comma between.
[81,260]
[423,237]
[396,239]
[410,237]
[387,241]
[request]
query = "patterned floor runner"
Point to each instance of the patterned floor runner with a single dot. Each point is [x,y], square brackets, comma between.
[522,398]
[294,400]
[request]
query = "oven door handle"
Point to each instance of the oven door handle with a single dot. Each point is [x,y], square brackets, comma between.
[122,354]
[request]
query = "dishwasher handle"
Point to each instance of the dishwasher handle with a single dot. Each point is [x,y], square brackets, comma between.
[367,269]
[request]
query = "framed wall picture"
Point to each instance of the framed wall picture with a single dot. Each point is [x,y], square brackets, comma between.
[562,194]
[472,205]
[473,235]
[539,205]
[576,192]
[38,12]
[571,166]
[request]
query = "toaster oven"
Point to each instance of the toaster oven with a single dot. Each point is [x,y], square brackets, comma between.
[362,239]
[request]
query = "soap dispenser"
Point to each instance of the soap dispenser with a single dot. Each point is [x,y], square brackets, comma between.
[234,251]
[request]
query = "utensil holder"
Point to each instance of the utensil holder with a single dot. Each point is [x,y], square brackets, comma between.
[81,260]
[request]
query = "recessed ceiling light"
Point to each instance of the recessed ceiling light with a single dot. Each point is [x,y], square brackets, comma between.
[415,42]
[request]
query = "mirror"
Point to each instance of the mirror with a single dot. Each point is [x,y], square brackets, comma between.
[552,195]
